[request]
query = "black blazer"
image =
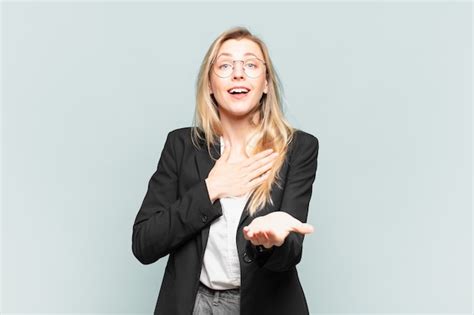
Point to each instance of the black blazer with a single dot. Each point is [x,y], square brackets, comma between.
[176,213]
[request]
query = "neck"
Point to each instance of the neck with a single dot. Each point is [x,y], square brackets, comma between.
[236,131]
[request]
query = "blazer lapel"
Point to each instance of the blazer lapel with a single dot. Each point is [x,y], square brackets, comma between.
[244,214]
[204,165]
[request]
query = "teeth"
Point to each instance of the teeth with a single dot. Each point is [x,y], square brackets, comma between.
[238,90]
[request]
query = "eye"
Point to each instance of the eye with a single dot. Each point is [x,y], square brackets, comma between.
[224,65]
[251,64]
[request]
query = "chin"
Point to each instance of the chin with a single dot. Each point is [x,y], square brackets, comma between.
[238,109]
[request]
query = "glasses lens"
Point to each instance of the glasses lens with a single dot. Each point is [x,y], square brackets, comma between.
[252,67]
[223,67]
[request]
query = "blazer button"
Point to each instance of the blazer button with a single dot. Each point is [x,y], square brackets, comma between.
[247,259]
[204,218]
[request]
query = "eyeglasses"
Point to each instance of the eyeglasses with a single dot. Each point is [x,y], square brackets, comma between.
[253,67]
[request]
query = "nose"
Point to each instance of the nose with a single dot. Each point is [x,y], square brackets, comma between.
[238,70]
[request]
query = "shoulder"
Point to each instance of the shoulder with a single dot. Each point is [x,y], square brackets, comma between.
[182,132]
[303,141]
[180,136]
[180,140]
[303,151]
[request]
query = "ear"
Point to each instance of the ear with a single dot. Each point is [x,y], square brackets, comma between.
[265,90]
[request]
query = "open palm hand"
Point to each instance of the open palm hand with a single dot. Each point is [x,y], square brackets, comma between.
[272,229]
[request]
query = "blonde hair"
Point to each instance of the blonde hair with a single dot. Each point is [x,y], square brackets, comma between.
[272,130]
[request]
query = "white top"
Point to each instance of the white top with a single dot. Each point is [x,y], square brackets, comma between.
[221,268]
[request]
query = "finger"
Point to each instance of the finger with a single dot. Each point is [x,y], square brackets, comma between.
[258,180]
[268,240]
[262,239]
[246,230]
[251,160]
[267,245]
[262,161]
[246,236]
[254,239]
[254,242]
[258,238]
[271,238]
[261,170]
[304,228]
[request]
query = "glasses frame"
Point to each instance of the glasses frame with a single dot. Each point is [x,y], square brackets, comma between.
[233,67]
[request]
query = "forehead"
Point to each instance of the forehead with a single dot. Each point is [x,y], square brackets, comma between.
[240,48]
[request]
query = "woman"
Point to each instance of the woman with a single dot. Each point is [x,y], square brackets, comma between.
[229,199]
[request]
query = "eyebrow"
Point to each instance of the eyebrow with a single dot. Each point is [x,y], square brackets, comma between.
[246,54]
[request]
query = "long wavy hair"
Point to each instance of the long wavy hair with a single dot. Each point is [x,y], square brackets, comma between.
[272,130]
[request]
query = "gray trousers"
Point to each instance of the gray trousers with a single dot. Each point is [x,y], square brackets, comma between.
[216,302]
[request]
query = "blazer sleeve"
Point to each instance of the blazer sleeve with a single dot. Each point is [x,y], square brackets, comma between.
[296,197]
[164,221]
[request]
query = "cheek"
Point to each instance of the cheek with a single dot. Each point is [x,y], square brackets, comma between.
[260,86]
[212,87]
[217,88]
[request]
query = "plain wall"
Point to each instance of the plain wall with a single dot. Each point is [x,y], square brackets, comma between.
[90,91]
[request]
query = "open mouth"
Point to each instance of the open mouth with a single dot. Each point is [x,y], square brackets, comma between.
[234,91]
[238,93]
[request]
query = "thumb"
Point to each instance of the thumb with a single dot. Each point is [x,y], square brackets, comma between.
[246,230]
[304,228]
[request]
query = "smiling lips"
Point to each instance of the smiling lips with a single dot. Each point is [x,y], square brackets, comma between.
[238,92]
[238,89]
